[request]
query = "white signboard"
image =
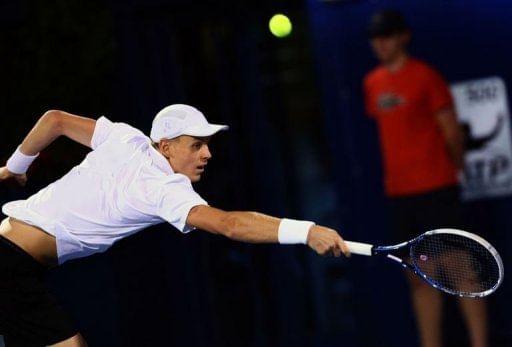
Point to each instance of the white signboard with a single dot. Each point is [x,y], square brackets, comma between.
[483,110]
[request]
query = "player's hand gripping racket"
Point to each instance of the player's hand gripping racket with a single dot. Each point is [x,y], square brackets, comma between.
[454,261]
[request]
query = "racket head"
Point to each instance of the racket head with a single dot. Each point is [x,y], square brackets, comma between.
[457,262]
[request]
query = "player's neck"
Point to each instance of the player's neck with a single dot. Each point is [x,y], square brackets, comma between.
[397,63]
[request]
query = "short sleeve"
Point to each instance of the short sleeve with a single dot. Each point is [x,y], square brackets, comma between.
[102,131]
[178,198]
[106,129]
[438,93]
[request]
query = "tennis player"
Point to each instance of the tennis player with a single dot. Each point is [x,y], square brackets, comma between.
[128,182]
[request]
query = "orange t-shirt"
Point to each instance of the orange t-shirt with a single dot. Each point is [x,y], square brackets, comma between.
[404,104]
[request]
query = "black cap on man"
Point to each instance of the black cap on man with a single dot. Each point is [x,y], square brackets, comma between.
[387,23]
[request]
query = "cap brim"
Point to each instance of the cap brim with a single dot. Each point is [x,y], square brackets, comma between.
[204,131]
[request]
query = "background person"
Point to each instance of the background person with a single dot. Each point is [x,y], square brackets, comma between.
[422,147]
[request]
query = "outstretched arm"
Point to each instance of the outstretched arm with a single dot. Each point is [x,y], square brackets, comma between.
[256,227]
[50,126]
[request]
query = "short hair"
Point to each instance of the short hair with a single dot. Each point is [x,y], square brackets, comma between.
[156,145]
[387,23]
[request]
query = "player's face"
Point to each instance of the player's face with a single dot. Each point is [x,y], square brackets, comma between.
[389,48]
[189,155]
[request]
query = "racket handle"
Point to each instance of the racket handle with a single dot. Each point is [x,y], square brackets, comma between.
[359,248]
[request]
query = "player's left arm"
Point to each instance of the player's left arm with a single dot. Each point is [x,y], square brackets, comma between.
[257,227]
[453,134]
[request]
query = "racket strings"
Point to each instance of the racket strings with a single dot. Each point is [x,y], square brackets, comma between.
[455,263]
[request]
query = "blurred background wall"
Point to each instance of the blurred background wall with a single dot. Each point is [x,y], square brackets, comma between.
[299,145]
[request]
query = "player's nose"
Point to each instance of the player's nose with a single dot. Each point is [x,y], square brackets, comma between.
[206,152]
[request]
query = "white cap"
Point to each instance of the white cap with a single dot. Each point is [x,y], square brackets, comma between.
[179,119]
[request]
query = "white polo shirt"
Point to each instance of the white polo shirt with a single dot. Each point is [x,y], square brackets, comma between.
[122,186]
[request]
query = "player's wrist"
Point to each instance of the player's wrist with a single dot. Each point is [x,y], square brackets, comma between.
[19,162]
[293,231]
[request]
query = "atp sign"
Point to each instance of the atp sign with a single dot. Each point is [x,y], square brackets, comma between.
[482,109]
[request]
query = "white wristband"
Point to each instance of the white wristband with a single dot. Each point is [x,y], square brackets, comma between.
[293,231]
[18,163]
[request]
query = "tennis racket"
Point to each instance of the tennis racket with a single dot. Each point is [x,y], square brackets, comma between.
[454,261]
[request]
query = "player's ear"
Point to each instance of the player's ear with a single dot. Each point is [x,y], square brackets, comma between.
[169,148]
[165,148]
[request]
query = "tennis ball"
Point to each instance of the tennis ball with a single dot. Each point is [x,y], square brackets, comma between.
[280,25]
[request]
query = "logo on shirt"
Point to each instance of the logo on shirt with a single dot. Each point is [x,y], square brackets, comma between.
[387,101]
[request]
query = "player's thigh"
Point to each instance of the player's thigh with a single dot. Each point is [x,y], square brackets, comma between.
[75,341]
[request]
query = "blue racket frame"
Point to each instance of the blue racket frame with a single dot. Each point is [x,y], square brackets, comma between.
[371,250]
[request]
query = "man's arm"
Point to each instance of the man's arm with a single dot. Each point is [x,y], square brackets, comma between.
[256,227]
[54,124]
[453,134]
[50,126]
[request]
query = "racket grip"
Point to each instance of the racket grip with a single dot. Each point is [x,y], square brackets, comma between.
[359,248]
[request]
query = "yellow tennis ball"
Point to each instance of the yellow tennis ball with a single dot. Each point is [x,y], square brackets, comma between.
[280,25]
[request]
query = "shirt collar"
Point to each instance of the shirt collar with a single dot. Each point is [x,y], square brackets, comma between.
[160,160]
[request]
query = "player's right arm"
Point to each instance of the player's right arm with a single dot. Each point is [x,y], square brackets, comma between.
[254,227]
[56,123]
[49,127]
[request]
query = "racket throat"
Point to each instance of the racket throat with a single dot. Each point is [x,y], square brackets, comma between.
[395,258]
[401,262]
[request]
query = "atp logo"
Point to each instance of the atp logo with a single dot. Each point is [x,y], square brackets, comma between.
[482,107]
[473,142]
